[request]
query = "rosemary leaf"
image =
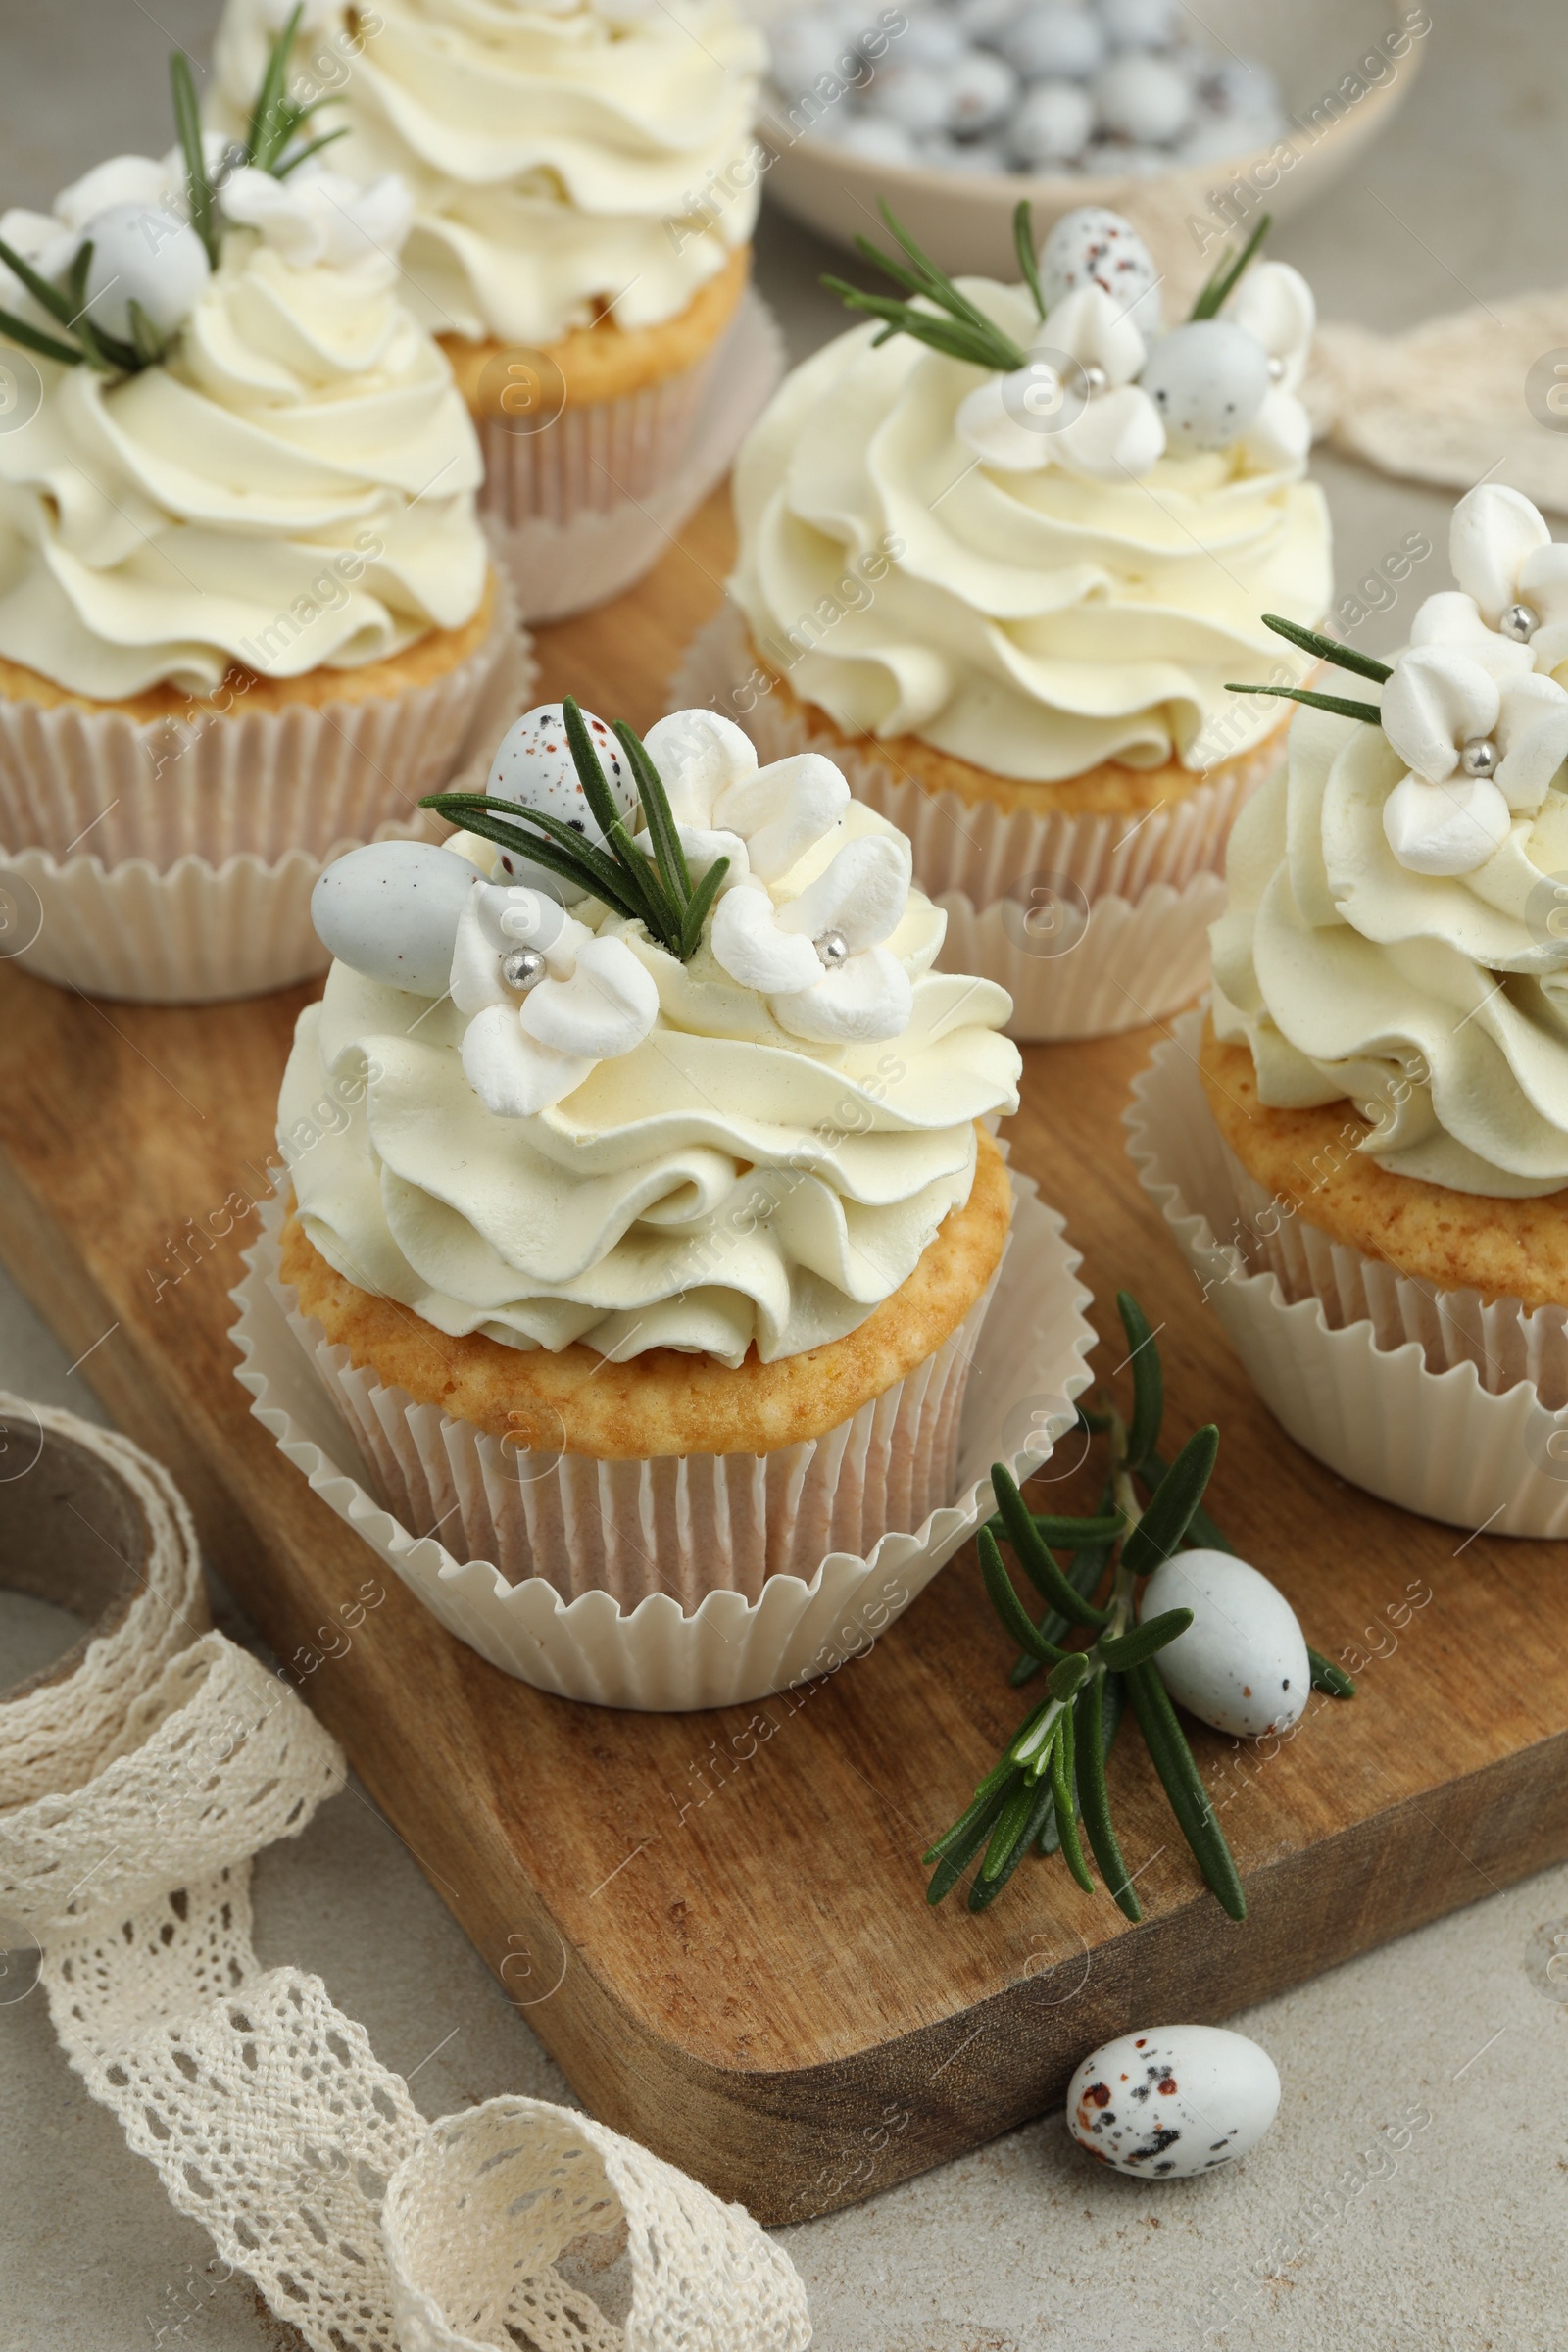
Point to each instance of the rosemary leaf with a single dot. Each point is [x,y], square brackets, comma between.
[1078,1535]
[270,127]
[1063,1789]
[148,342]
[472,813]
[1023,237]
[48,297]
[188,122]
[992,352]
[668,855]
[697,906]
[1328,649]
[1173,1760]
[996,1783]
[1148,1380]
[1172,1503]
[1035,1556]
[1225,277]
[1011,1822]
[955,1861]
[983,1893]
[1009,1607]
[302,155]
[1367,713]
[34,338]
[1200,1527]
[1069,1676]
[1145,1641]
[659,912]
[1326,1676]
[1100,1711]
[602,802]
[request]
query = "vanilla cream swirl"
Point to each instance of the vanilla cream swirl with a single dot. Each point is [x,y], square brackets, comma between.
[291,490]
[557,156]
[1436,1004]
[724,1185]
[1033,624]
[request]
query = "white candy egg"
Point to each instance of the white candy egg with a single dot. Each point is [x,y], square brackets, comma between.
[981,90]
[1052,122]
[534,766]
[931,41]
[146,256]
[1242,1664]
[1208,380]
[984,20]
[1173,2101]
[1142,23]
[878,141]
[804,49]
[1093,247]
[1054,38]
[390,911]
[915,97]
[1235,85]
[1142,98]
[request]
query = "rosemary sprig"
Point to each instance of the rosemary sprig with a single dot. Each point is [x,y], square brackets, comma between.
[1023,238]
[1323,649]
[953,325]
[1051,1774]
[276,121]
[645,878]
[1226,274]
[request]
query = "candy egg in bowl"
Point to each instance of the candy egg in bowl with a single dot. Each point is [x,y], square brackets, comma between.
[954,109]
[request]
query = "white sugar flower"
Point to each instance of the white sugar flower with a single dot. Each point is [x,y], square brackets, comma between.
[548,998]
[1075,404]
[818,958]
[1479,746]
[762,819]
[323,219]
[1512,573]
[1274,304]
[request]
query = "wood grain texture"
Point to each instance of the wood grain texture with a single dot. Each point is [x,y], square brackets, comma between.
[716,1922]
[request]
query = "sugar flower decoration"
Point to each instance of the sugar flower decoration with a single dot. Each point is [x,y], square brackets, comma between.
[321,218]
[548,998]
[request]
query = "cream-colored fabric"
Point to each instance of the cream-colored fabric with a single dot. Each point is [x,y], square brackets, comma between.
[133,1792]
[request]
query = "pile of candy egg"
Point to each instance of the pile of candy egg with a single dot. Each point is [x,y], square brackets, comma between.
[1092,87]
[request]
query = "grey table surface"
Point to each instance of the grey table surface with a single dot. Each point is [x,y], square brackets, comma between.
[1452,2042]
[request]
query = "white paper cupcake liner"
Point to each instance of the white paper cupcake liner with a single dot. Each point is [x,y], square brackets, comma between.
[1431,1399]
[1029,1363]
[1092,923]
[256,783]
[201,930]
[581,509]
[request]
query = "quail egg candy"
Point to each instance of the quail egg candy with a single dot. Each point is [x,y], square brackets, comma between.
[1093,247]
[390,911]
[534,768]
[1242,1664]
[1173,2101]
[1208,380]
[1113,87]
[144,255]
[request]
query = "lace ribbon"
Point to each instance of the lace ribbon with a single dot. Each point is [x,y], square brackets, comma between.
[1454,399]
[136,1788]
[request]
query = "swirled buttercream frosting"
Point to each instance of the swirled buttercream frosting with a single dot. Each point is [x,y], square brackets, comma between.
[588,1138]
[291,489]
[1438,1004]
[563,159]
[1032,624]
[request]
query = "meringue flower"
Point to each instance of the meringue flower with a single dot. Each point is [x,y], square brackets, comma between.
[530,1043]
[1274,304]
[1513,571]
[818,958]
[1038,415]
[1481,746]
[322,219]
[762,819]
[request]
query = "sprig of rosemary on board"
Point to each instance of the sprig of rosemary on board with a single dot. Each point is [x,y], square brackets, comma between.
[276,121]
[658,892]
[1051,1774]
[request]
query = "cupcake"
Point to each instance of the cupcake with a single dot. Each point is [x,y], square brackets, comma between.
[1378,1127]
[246,609]
[586,185]
[651,1252]
[1000,550]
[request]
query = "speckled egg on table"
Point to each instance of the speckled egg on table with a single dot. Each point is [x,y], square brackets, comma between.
[1173,2101]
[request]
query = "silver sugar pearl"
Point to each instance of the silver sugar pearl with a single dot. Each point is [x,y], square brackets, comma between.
[522,969]
[832,947]
[1479,756]
[1095,379]
[1520,622]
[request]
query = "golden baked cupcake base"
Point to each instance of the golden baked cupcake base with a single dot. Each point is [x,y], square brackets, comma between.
[665,1402]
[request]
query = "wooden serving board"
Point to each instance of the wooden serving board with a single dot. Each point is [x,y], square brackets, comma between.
[719,1929]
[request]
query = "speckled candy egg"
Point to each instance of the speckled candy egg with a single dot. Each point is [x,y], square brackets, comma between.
[1051,124]
[534,768]
[144,254]
[1242,1664]
[1173,2101]
[1093,247]
[1207,380]
[981,90]
[1145,98]
[390,911]
[1056,38]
